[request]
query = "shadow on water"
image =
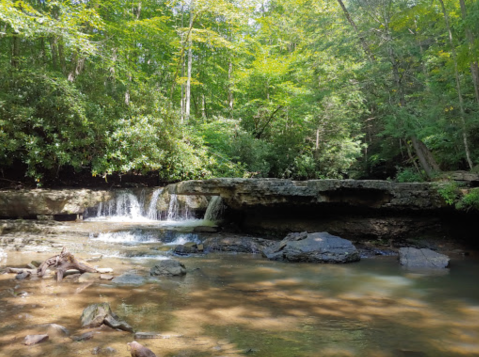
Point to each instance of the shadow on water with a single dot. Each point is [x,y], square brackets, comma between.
[232,305]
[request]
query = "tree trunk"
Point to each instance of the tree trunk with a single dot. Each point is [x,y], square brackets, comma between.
[15,50]
[458,87]
[364,44]
[62,262]
[427,161]
[54,51]
[230,92]
[190,63]
[473,64]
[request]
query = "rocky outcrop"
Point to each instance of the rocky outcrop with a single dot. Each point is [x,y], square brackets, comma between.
[414,258]
[46,204]
[313,248]
[241,193]
[352,209]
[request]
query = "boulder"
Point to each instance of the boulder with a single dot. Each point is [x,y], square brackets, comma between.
[415,258]
[319,247]
[169,267]
[97,314]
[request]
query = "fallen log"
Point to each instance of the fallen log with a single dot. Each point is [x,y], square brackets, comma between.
[63,262]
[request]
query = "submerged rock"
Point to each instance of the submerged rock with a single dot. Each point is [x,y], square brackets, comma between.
[320,247]
[97,314]
[34,339]
[103,351]
[168,267]
[129,279]
[422,259]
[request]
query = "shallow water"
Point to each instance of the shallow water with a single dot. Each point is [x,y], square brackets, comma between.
[237,304]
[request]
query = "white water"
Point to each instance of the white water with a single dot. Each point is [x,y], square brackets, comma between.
[173,208]
[215,209]
[185,238]
[124,237]
[152,210]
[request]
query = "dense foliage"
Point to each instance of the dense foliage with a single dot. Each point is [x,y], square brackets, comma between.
[296,89]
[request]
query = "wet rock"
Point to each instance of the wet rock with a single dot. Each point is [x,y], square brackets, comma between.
[422,259]
[114,322]
[35,263]
[106,277]
[153,335]
[129,279]
[138,350]
[236,244]
[147,335]
[83,337]
[168,267]
[103,351]
[23,275]
[97,314]
[320,247]
[34,339]
[206,229]
[88,277]
[185,249]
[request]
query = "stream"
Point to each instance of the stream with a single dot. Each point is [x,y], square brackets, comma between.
[238,304]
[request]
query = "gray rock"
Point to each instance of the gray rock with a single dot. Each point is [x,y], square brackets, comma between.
[239,244]
[84,337]
[23,275]
[168,267]
[129,279]
[422,259]
[185,249]
[320,247]
[34,339]
[97,314]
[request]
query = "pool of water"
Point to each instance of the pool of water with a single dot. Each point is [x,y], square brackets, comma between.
[239,304]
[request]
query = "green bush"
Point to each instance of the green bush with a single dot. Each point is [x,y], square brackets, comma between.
[408,175]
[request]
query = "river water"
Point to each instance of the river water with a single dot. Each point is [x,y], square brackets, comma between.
[241,304]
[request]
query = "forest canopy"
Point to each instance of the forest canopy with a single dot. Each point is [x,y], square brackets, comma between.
[196,89]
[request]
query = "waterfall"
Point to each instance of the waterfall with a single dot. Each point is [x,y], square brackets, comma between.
[152,210]
[215,209]
[173,208]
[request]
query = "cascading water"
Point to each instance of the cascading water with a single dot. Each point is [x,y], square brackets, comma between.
[215,209]
[152,210]
[130,207]
[173,208]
